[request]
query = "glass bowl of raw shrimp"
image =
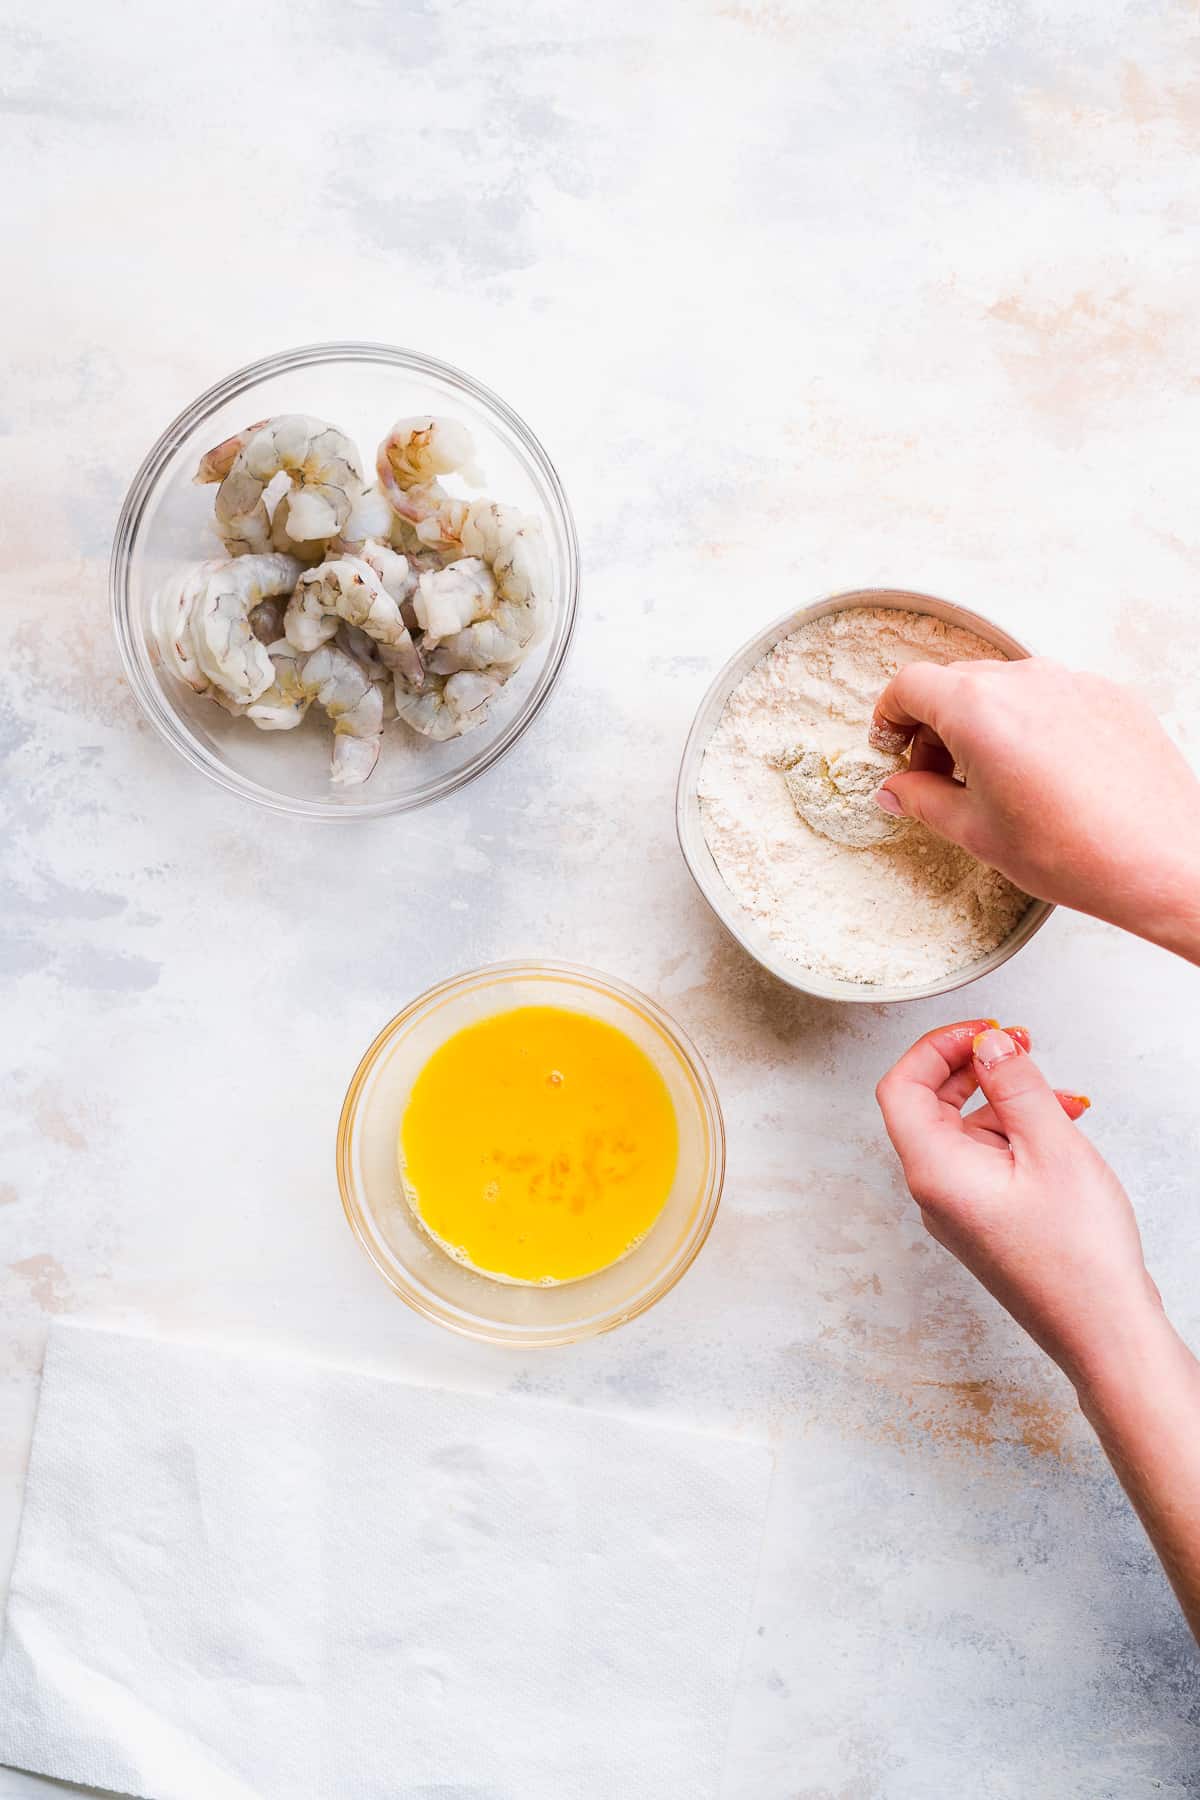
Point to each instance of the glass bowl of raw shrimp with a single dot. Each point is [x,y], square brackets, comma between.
[167,523]
[453,1293]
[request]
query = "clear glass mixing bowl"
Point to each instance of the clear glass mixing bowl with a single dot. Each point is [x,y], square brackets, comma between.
[417,1267]
[166,522]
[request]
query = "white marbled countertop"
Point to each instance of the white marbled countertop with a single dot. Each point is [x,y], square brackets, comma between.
[800,297]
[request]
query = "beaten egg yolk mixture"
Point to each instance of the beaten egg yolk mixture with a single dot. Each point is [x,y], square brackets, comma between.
[539,1145]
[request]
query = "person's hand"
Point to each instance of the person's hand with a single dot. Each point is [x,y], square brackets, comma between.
[1022,1198]
[1069,786]
[1017,1193]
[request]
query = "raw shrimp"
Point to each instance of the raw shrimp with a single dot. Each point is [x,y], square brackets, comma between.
[481,647]
[216,464]
[311,550]
[409,460]
[396,572]
[225,647]
[348,588]
[343,687]
[508,540]
[282,706]
[175,604]
[325,471]
[301,678]
[448,705]
[366,651]
[447,600]
[399,575]
[511,544]
[484,610]
[370,518]
[416,451]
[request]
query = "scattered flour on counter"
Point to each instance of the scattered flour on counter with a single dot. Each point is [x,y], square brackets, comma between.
[894,915]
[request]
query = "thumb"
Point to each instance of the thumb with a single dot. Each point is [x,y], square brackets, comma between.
[1026,1108]
[936,800]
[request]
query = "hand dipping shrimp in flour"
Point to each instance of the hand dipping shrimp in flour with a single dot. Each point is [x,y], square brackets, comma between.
[787,801]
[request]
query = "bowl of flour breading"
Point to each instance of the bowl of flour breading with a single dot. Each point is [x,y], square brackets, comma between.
[779,830]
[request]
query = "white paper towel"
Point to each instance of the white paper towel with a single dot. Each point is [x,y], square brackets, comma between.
[246,1578]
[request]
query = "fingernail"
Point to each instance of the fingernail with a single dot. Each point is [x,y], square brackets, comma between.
[888,737]
[1020,1037]
[992,1047]
[888,803]
[1080,1100]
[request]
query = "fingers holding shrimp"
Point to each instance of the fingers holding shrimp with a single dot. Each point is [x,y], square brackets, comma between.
[917,695]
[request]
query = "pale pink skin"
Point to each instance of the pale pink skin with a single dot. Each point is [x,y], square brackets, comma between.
[1030,1208]
[1069,784]
[1070,787]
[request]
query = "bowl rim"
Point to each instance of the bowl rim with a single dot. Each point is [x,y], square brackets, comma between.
[710,1191]
[708,878]
[145,684]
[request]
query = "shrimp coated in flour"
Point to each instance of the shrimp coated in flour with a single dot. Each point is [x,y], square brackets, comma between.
[324,469]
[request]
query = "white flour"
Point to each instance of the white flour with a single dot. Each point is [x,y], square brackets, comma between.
[898,915]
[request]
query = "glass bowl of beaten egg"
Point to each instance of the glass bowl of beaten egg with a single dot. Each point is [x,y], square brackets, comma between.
[531,1153]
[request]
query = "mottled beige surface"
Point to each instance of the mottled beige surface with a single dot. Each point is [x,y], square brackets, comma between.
[800,297]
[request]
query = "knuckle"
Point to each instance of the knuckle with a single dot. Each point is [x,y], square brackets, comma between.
[972,684]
